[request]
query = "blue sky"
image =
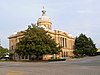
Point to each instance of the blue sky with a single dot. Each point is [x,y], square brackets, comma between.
[72,16]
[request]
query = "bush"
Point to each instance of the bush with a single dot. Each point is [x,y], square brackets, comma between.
[56,59]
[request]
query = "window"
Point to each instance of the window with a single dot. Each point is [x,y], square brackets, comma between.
[12,47]
[26,57]
[63,42]
[23,57]
[60,41]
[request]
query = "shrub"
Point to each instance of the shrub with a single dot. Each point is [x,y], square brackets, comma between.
[56,59]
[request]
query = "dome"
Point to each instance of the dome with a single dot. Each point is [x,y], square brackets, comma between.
[44,20]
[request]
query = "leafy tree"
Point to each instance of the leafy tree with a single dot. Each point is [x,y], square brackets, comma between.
[36,42]
[84,46]
[3,52]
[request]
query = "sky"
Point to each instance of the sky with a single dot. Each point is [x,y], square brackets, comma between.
[72,16]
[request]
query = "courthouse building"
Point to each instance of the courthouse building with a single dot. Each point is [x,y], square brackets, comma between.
[62,38]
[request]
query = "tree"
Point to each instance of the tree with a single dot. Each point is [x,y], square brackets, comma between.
[84,46]
[36,42]
[3,52]
[92,48]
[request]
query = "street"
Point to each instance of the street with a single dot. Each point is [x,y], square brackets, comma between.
[82,66]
